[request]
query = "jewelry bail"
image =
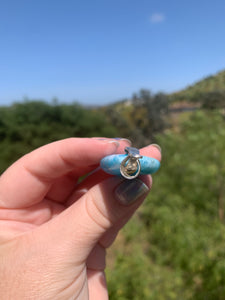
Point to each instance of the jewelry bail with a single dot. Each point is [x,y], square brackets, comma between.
[130,167]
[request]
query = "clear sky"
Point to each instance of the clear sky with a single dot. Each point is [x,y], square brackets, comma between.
[100,51]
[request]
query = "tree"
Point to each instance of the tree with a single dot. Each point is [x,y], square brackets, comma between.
[213,100]
[149,114]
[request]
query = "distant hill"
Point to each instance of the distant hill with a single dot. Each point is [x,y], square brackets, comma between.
[206,93]
[210,84]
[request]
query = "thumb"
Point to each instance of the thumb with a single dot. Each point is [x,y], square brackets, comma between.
[75,232]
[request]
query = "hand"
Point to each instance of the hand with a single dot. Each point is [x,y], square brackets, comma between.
[54,230]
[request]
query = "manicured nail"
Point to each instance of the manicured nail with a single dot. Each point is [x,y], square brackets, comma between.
[157,146]
[130,191]
[123,139]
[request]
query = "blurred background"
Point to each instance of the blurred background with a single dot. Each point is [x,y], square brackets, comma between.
[150,71]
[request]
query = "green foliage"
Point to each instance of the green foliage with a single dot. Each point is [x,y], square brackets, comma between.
[182,234]
[137,277]
[203,88]
[155,108]
[191,219]
[213,100]
[26,126]
[140,118]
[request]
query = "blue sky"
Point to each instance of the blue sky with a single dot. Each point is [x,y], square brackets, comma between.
[100,51]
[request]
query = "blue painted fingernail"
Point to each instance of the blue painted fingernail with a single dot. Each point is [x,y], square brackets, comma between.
[130,191]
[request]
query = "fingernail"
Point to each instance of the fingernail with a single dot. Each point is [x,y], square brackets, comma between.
[157,146]
[108,141]
[123,139]
[114,142]
[130,191]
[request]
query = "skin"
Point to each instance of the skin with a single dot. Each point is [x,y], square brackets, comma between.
[54,229]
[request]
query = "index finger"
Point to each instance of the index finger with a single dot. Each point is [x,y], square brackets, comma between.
[28,180]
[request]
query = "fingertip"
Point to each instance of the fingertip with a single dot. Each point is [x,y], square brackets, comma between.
[157,146]
[152,150]
[125,140]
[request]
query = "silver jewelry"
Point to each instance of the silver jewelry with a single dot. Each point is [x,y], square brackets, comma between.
[130,167]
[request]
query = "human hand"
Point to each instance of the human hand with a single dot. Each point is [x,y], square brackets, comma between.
[54,230]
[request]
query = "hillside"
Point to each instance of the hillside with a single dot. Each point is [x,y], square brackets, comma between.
[208,93]
[210,84]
